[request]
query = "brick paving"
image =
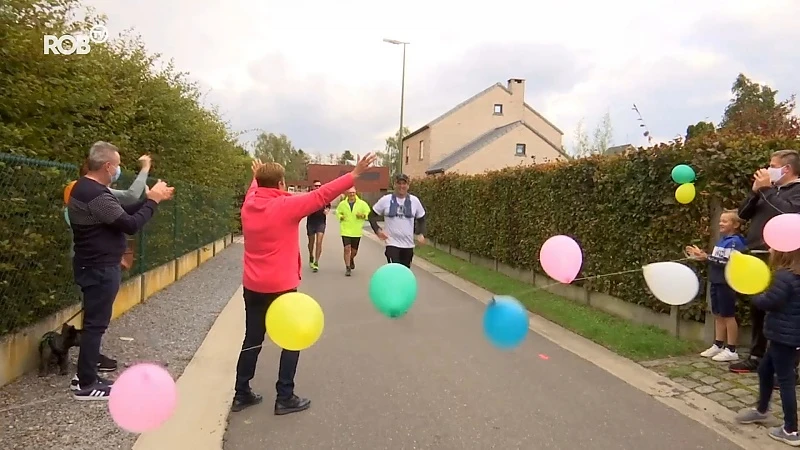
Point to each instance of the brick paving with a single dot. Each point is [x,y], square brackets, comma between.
[713,380]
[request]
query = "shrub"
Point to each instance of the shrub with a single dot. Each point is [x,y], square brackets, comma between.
[620,209]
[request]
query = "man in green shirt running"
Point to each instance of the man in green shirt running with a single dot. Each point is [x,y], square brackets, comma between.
[352,213]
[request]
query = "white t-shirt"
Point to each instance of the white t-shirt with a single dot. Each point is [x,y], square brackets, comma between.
[400,229]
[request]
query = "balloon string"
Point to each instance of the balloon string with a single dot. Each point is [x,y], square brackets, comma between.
[594,277]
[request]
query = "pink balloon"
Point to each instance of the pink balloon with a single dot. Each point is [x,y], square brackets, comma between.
[782,232]
[561,258]
[143,398]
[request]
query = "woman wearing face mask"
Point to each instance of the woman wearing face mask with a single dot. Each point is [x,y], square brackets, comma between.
[776,190]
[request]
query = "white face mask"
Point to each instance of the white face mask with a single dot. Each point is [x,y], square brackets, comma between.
[775,174]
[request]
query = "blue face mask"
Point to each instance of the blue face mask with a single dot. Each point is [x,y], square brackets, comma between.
[116,175]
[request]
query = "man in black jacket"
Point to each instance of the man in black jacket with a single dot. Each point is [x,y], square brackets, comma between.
[776,190]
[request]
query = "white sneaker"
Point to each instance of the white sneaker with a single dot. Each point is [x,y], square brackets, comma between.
[725,356]
[712,351]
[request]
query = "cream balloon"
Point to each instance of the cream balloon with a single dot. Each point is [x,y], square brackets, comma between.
[671,282]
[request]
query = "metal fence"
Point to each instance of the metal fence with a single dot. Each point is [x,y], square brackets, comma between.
[35,266]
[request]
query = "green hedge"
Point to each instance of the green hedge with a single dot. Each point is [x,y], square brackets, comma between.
[620,209]
[35,268]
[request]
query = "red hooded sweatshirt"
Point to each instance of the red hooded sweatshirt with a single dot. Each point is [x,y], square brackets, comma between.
[270,225]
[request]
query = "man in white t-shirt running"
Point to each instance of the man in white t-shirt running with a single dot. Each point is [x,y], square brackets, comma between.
[403,219]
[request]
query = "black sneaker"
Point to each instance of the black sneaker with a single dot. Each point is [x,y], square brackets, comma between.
[242,401]
[352,264]
[96,392]
[291,405]
[347,272]
[74,383]
[106,364]
[749,365]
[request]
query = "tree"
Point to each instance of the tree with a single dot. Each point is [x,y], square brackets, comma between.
[699,129]
[346,158]
[389,156]
[270,147]
[332,158]
[755,109]
[602,138]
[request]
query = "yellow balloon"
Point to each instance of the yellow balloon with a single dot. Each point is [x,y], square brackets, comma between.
[685,193]
[747,274]
[295,321]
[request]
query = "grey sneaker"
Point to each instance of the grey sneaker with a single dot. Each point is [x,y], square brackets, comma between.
[347,272]
[752,416]
[779,434]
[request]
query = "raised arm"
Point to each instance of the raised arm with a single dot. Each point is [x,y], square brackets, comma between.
[132,195]
[304,204]
[108,210]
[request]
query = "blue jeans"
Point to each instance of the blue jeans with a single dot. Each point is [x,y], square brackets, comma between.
[779,361]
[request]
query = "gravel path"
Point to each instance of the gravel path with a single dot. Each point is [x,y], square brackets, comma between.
[38,413]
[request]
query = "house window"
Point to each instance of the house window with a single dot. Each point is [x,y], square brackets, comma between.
[498,109]
[406,154]
[421,150]
[520,150]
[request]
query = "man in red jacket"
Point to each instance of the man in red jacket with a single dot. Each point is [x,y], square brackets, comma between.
[272,265]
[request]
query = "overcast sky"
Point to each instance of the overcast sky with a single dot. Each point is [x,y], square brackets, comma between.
[319,72]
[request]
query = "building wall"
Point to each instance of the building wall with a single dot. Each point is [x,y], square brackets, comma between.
[376,179]
[416,167]
[501,153]
[472,120]
[538,124]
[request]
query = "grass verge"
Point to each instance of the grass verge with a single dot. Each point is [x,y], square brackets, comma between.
[633,341]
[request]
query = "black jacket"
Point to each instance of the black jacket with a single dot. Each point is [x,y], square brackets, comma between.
[761,206]
[782,304]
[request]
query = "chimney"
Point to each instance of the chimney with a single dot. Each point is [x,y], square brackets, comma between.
[517,87]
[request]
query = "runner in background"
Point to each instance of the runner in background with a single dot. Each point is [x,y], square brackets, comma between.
[352,213]
[315,229]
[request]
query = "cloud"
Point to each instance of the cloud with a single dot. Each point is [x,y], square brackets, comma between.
[320,73]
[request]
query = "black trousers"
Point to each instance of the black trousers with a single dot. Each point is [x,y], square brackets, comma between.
[99,286]
[399,255]
[255,309]
[758,347]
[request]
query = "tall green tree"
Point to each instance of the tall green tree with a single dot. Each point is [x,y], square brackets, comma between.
[346,158]
[390,155]
[756,109]
[602,138]
[278,148]
[699,129]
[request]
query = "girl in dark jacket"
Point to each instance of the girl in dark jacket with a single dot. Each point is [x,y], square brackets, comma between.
[782,329]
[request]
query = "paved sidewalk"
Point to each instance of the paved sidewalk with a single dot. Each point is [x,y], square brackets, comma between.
[431,381]
[714,381]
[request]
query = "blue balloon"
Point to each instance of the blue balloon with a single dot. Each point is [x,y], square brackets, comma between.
[393,289]
[505,322]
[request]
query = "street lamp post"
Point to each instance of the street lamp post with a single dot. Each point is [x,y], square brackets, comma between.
[402,104]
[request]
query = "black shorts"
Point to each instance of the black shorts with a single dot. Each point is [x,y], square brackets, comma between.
[314,227]
[352,242]
[399,255]
[723,300]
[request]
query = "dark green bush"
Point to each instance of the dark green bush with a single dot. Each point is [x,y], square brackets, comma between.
[620,209]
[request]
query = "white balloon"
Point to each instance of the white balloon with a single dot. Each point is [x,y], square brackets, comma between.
[671,282]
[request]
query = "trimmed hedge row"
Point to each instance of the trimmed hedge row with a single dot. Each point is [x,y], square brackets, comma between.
[35,268]
[620,209]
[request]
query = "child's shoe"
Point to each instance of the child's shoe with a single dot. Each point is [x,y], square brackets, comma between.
[711,351]
[752,416]
[726,355]
[779,434]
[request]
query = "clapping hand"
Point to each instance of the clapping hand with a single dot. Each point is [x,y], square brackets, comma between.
[159,192]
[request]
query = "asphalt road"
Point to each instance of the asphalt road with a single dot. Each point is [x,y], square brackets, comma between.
[430,380]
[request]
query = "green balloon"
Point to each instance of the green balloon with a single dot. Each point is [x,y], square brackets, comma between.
[393,289]
[683,174]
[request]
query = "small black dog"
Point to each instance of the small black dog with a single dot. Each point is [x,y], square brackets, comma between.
[54,349]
